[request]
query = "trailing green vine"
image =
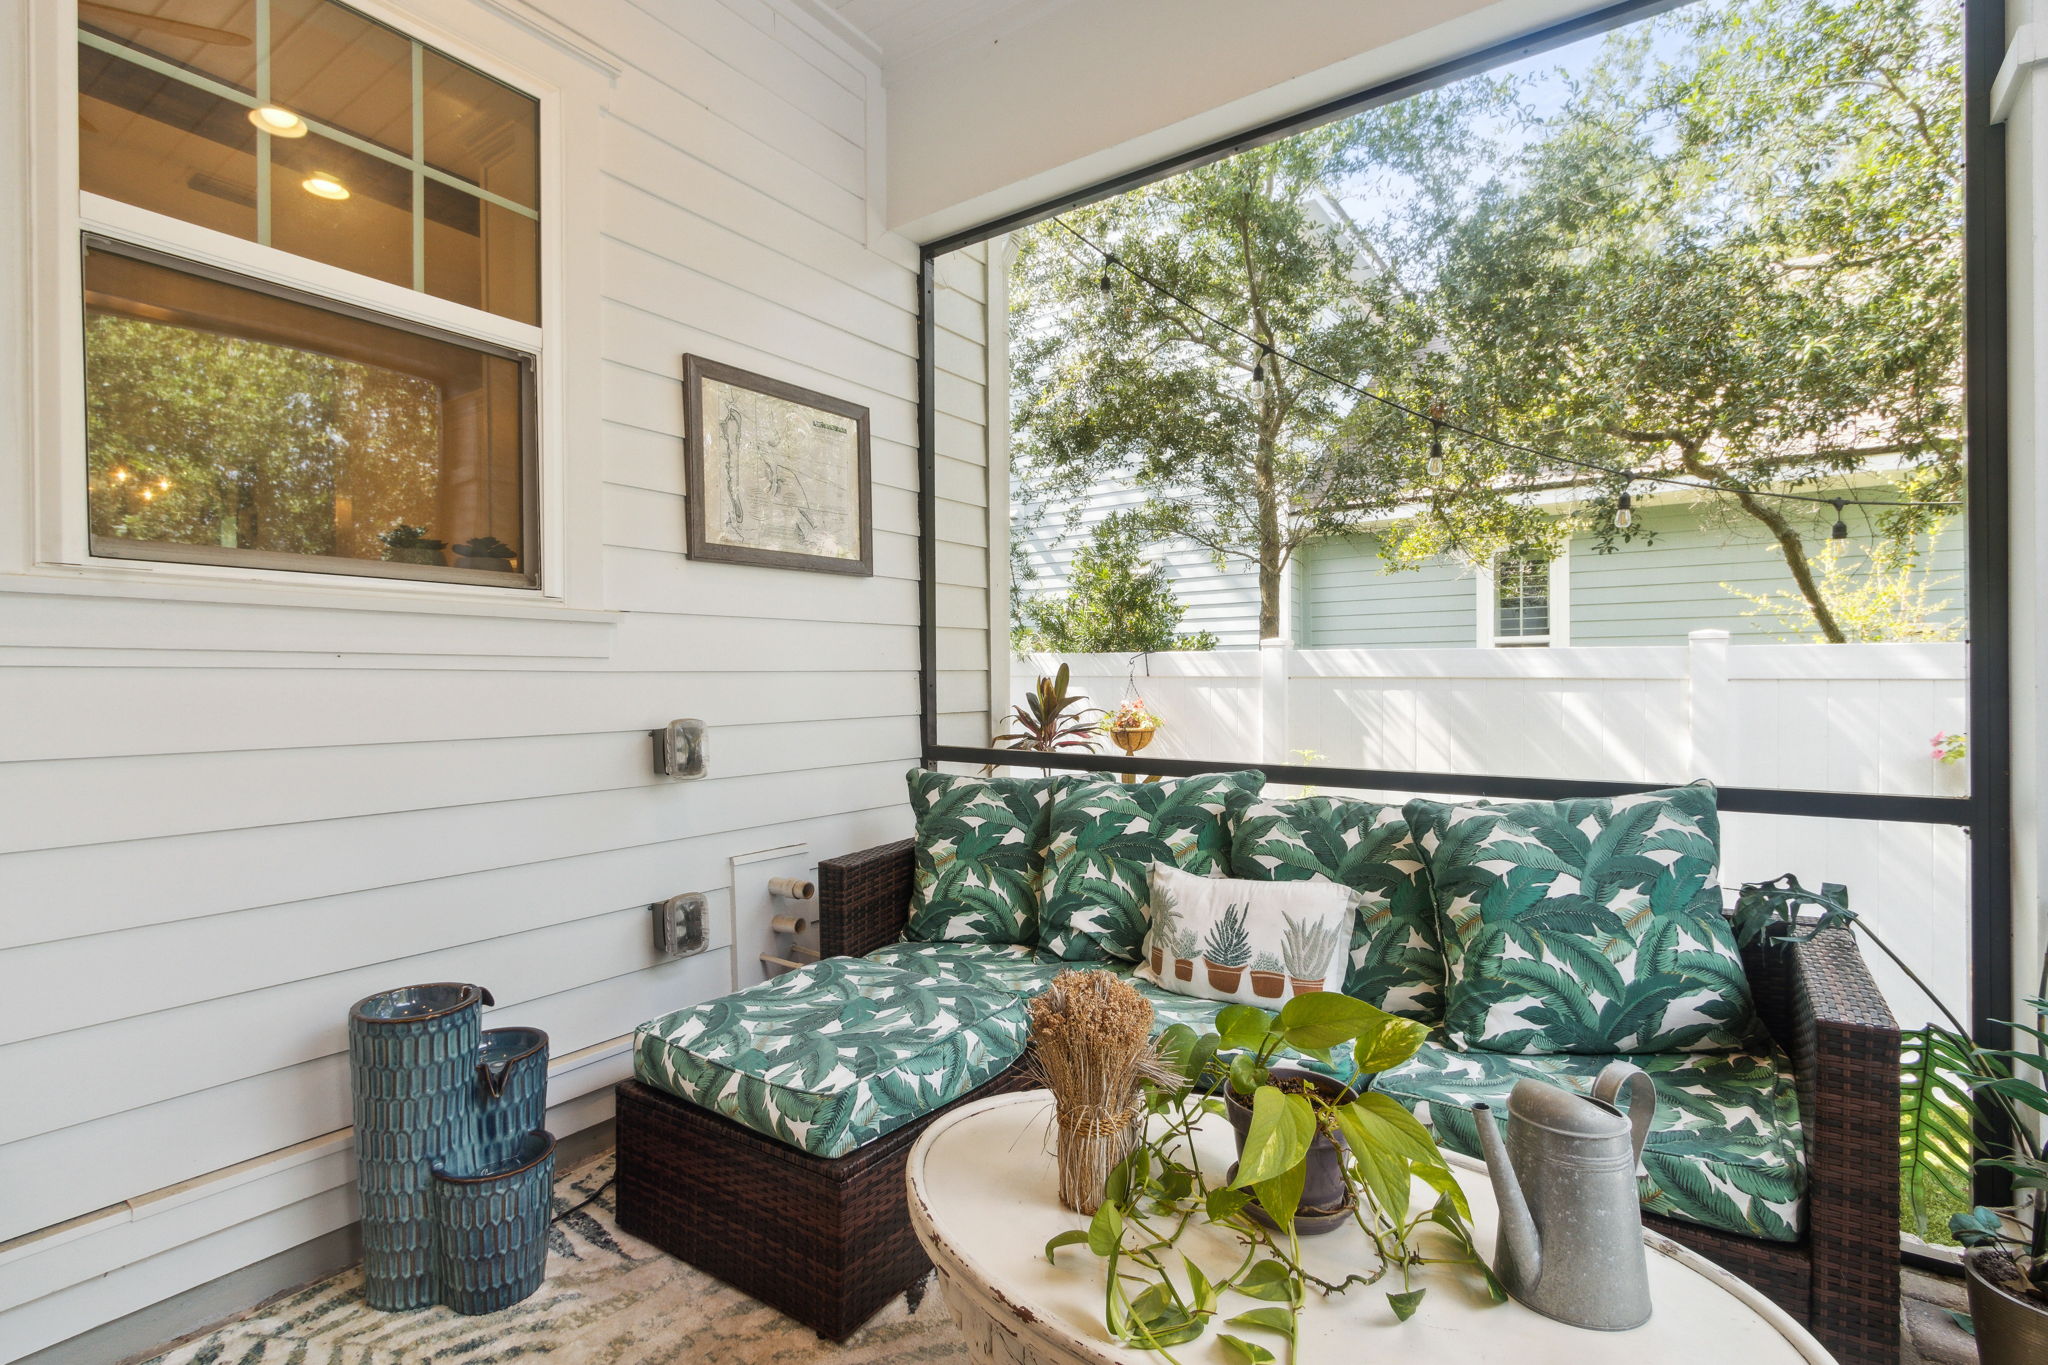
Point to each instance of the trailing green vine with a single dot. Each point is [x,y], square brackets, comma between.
[1158,1297]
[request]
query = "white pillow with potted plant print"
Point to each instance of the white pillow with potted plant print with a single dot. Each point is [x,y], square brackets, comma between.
[1250,943]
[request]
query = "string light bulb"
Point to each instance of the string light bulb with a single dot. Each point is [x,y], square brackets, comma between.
[1104,284]
[1259,364]
[1436,449]
[1624,511]
[1841,531]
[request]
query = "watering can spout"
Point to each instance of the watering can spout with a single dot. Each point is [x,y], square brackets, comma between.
[1519,1254]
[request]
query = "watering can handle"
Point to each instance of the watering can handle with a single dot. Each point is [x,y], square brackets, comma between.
[1642,1097]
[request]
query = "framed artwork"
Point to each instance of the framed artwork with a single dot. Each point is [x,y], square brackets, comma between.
[777,474]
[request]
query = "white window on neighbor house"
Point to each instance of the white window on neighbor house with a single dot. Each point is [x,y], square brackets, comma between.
[311,292]
[1523,602]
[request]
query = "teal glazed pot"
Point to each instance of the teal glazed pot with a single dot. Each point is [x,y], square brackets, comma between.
[512,1091]
[491,1227]
[413,1059]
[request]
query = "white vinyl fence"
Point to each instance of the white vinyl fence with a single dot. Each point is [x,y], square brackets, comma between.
[1844,718]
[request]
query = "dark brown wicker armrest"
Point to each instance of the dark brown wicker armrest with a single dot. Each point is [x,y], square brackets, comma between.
[1820,1002]
[864,899]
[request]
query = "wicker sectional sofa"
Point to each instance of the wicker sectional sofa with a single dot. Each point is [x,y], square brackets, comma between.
[798,1198]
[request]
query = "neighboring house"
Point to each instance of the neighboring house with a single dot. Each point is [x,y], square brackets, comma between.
[1653,590]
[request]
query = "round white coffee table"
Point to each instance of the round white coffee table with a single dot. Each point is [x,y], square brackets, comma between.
[984,1201]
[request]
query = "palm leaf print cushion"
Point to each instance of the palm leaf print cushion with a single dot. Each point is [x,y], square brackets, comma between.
[1106,836]
[1589,925]
[980,855]
[1395,960]
[829,1057]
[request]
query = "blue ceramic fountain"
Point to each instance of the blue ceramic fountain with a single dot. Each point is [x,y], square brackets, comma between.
[455,1170]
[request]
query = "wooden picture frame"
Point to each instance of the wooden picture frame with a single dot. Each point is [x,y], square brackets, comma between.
[773,468]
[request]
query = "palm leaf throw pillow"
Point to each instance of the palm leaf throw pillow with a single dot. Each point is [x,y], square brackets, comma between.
[1591,925]
[1395,960]
[1246,942]
[980,856]
[1106,835]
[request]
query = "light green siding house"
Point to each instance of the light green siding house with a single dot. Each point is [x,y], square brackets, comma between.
[1654,590]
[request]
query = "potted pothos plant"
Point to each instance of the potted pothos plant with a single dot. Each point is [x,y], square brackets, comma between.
[1360,1152]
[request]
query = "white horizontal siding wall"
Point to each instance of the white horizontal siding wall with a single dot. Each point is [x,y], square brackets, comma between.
[224,820]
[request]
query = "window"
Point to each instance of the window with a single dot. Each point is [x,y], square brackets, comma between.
[1521,599]
[259,422]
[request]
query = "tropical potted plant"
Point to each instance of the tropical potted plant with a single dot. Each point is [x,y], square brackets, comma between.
[1364,1146]
[405,544]
[1050,718]
[1227,949]
[1269,976]
[487,553]
[1307,949]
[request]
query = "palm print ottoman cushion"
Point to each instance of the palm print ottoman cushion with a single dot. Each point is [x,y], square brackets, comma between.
[1726,1149]
[1246,942]
[1395,959]
[834,1054]
[1589,925]
[980,855]
[1106,836]
[1016,968]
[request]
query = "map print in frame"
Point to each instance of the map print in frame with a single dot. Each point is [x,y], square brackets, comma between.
[777,474]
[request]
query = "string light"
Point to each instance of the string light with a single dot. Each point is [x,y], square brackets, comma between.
[1841,531]
[1623,513]
[1104,283]
[1436,441]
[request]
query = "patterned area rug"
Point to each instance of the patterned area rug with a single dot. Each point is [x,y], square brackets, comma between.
[609,1299]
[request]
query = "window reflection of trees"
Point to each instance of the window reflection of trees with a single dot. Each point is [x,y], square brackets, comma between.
[197,438]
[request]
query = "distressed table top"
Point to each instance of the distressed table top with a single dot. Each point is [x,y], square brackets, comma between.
[983,1198]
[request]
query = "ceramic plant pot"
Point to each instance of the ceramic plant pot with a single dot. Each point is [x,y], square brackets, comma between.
[411,554]
[1268,985]
[2011,1330]
[487,563]
[1325,1203]
[1224,979]
[1184,969]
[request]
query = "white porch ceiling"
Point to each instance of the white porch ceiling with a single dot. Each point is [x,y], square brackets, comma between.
[902,30]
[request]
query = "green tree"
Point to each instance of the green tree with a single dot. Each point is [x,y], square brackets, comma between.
[1236,452]
[1739,265]
[1115,603]
[1730,253]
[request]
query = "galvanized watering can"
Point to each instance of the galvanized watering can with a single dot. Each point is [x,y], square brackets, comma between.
[1571,1227]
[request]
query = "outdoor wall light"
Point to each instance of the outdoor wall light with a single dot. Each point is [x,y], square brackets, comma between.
[277,122]
[324,186]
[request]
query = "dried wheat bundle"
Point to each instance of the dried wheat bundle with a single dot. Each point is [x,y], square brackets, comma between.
[1091,1044]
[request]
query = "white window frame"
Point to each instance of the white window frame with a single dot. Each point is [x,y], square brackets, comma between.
[49,540]
[1560,636]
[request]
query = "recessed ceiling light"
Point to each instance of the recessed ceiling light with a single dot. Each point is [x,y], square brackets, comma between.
[325,186]
[277,122]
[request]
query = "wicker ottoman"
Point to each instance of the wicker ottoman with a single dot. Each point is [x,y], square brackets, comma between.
[826,1240]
